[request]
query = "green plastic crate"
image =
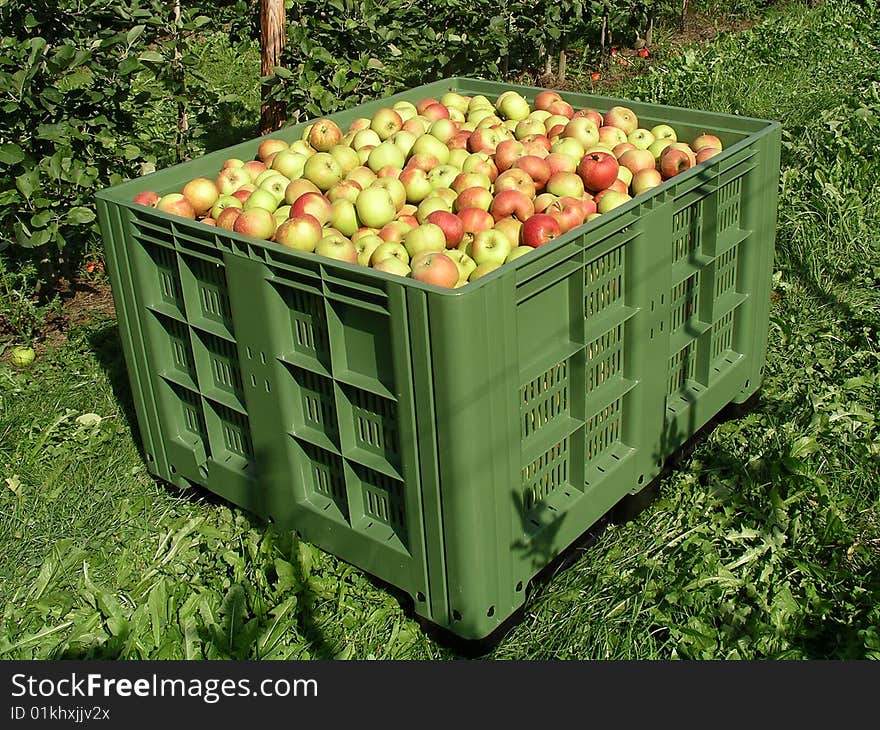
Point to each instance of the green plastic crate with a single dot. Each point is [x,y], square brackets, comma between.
[451,442]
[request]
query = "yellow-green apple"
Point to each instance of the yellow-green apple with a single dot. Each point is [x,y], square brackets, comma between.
[366,246]
[641,138]
[517,252]
[611,199]
[513,106]
[658,145]
[314,204]
[233,162]
[443,129]
[706,140]
[271,146]
[619,149]
[635,160]
[538,230]
[435,267]
[686,148]
[565,184]
[706,153]
[479,115]
[510,227]
[516,179]
[395,231]
[343,217]
[416,184]
[324,133]
[562,108]
[417,125]
[442,176]
[227,217]
[625,174]
[453,100]
[673,161]
[465,180]
[597,170]
[302,232]
[583,130]
[429,205]
[392,265]
[450,224]
[611,136]
[148,198]
[244,192]
[475,197]
[406,109]
[537,168]
[256,222]
[425,237]
[281,214]
[567,212]
[645,180]
[385,155]
[428,144]
[290,164]
[265,175]
[224,202]
[298,187]
[202,193]
[528,127]
[302,147]
[363,123]
[386,122]
[544,201]
[457,156]
[340,249]
[482,270]
[176,204]
[347,189]
[277,185]
[231,179]
[375,207]
[362,175]
[395,188]
[570,147]
[513,203]
[447,194]
[464,263]
[365,138]
[482,163]
[664,131]
[459,141]
[405,140]
[261,198]
[323,170]
[493,122]
[490,246]
[619,185]
[346,157]
[561,163]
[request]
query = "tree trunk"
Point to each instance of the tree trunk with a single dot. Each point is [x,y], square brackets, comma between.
[273,113]
[684,9]
[649,34]
[561,74]
[604,29]
[548,65]
[182,119]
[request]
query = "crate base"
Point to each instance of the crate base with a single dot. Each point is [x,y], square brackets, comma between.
[627,509]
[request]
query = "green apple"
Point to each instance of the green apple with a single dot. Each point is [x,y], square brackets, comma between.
[490,247]
[375,207]
[323,170]
[262,198]
[429,145]
[664,131]
[345,156]
[386,154]
[366,246]
[425,237]
[343,217]
[290,164]
[483,269]
[517,252]
[389,249]
[22,356]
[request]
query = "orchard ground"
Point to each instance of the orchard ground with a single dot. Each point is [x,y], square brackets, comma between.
[764,543]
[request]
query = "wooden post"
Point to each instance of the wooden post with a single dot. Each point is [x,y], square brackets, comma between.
[182,119]
[272,34]
[561,74]
[684,9]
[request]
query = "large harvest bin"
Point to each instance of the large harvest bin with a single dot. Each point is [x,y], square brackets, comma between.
[451,442]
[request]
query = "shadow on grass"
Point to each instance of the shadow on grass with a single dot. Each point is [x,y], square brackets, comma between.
[107,347]
[229,124]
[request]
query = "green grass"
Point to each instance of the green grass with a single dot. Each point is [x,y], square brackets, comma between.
[765,543]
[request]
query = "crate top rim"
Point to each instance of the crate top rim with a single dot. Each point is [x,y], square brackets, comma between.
[752,127]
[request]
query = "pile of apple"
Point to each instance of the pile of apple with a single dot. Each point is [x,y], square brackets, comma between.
[444,191]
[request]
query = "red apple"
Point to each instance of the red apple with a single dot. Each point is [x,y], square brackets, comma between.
[302,232]
[435,268]
[515,179]
[271,146]
[568,213]
[324,134]
[590,114]
[436,111]
[512,203]
[451,225]
[176,204]
[619,149]
[706,153]
[561,163]
[227,217]
[623,118]
[507,153]
[148,198]
[298,187]
[673,161]
[598,170]
[644,180]
[543,99]
[540,229]
[562,108]
[475,219]
[313,204]
[256,222]
[538,169]
[476,197]
[635,160]
[706,140]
